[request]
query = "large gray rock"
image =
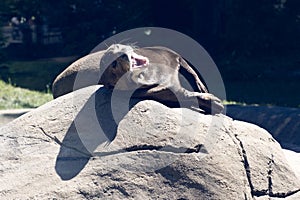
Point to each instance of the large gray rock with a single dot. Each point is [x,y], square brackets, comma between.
[81,73]
[72,148]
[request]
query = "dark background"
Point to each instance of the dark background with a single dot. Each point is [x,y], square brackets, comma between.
[255,43]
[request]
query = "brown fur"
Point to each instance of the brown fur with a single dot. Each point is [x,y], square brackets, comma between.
[158,79]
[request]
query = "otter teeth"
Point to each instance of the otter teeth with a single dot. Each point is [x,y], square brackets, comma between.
[138,61]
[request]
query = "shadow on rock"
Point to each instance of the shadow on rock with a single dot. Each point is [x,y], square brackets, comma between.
[96,124]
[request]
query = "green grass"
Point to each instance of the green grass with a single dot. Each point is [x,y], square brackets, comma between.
[12,97]
[34,74]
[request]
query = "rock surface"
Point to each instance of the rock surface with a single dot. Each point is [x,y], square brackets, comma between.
[283,123]
[72,148]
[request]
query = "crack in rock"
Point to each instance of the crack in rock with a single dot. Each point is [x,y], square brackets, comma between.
[269,191]
[247,168]
[26,137]
[284,195]
[270,164]
[168,148]
[199,148]
[270,183]
[145,147]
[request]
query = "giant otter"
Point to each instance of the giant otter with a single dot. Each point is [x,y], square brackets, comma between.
[153,72]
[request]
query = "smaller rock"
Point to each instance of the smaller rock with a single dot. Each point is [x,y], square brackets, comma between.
[82,73]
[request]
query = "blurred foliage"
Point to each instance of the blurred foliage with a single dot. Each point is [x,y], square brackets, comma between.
[262,26]
[83,23]
[243,27]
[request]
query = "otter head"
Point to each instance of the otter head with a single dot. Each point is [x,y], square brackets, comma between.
[117,63]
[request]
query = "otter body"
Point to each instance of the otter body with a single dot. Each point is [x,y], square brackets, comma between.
[153,72]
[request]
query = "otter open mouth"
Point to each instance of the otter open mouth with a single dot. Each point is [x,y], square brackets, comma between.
[137,61]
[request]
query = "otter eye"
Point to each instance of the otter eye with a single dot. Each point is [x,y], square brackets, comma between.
[124,56]
[114,64]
